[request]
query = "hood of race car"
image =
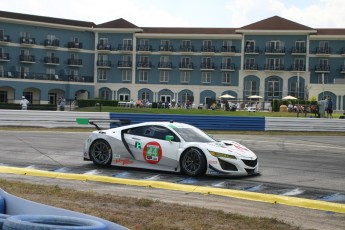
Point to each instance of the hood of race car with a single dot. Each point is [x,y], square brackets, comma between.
[231,148]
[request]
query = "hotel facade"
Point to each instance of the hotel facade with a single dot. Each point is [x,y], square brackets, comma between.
[44,58]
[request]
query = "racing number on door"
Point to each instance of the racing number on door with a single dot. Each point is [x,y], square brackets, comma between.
[152,152]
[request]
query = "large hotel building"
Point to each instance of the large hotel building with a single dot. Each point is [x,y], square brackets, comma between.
[44,58]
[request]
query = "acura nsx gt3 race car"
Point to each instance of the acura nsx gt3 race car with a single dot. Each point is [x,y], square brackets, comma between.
[169,146]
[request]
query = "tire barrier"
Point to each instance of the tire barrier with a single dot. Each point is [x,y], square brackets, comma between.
[3,217]
[50,222]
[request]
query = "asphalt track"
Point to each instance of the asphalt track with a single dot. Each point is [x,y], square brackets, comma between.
[301,171]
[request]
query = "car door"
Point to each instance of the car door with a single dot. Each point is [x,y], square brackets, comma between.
[148,144]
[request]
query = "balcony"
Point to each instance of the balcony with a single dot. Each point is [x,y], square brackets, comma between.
[27,58]
[342,51]
[275,50]
[298,50]
[251,50]
[227,67]
[228,49]
[322,68]
[208,49]
[274,67]
[51,43]
[27,41]
[51,61]
[186,66]
[103,47]
[103,64]
[207,66]
[4,57]
[323,51]
[187,49]
[5,39]
[297,68]
[75,62]
[144,65]
[74,45]
[164,65]
[342,69]
[165,48]
[251,67]
[124,64]
[125,48]
[145,48]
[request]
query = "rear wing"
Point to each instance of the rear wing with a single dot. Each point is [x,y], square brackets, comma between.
[86,121]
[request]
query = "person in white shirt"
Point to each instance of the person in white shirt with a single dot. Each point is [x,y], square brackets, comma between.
[24,103]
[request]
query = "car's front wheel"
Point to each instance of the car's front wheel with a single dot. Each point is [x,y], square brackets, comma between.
[101,153]
[193,162]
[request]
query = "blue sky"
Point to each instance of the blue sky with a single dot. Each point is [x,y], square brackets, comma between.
[187,13]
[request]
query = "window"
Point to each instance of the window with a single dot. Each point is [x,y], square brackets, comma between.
[165,42]
[143,76]
[3,96]
[206,63]
[75,39]
[105,94]
[28,96]
[323,78]
[126,75]
[273,46]
[164,59]
[1,71]
[226,78]
[298,64]
[103,41]
[185,62]
[24,72]
[207,43]
[250,88]
[250,63]
[185,76]
[273,88]
[102,74]
[227,43]
[206,77]
[164,76]
[186,45]
[324,44]
[145,96]
[300,46]
[274,64]
[124,97]
[127,44]
[144,45]
[144,61]
[24,34]
[294,91]
[144,42]
[250,46]
[155,131]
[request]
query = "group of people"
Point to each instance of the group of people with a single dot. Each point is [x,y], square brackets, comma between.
[24,103]
[325,105]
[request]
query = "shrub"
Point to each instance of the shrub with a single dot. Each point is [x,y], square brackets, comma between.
[93,102]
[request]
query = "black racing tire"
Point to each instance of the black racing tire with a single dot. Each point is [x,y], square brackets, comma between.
[2,205]
[101,153]
[3,217]
[51,222]
[193,162]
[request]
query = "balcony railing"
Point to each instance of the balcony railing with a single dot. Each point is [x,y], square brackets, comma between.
[227,66]
[4,56]
[122,47]
[189,65]
[147,48]
[208,49]
[74,62]
[5,38]
[251,67]
[166,48]
[228,49]
[146,65]
[75,45]
[275,50]
[27,41]
[323,50]
[27,58]
[342,51]
[51,60]
[187,49]
[207,65]
[252,50]
[104,64]
[52,42]
[342,69]
[104,47]
[297,68]
[274,67]
[322,68]
[298,50]
[124,64]
[164,65]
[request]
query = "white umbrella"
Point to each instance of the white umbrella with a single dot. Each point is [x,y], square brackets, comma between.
[254,97]
[289,98]
[226,96]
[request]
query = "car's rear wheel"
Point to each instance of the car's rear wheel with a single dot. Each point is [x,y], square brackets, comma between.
[193,162]
[101,153]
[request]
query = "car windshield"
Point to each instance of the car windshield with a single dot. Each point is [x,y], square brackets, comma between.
[193,135]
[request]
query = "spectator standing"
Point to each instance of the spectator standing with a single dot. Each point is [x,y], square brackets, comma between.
[24,103]
[62,103]
[329,108]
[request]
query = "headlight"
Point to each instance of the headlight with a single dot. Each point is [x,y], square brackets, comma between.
[216,154]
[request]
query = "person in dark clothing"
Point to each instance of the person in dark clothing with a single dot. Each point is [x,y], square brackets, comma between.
[329,108]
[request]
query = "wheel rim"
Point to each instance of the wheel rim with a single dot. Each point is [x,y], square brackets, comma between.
[191,161]
[101,152]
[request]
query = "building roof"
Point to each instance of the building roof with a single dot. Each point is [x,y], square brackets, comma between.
[35,18]
[184,30]
[275,23]
[118,23]
[330,31]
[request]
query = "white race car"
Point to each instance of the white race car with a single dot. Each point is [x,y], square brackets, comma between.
[169,146]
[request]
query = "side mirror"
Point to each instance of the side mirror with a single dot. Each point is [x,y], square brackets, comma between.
[169,138]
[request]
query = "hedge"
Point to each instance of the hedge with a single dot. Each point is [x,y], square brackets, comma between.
[95,102]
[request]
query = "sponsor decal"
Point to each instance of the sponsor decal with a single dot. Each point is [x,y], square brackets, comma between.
[138,145]
[240,147]
[152,152]
[123,161]
[213,162]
